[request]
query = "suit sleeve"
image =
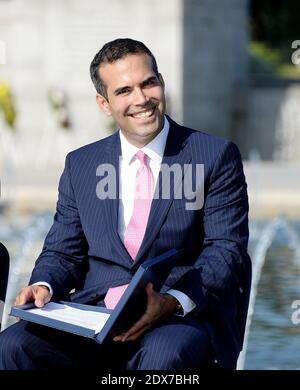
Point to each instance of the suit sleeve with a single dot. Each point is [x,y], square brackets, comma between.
[220,269]
[64,253]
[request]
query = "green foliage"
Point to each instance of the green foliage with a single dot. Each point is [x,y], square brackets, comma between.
[7,107]
[265,60]
[274,25]
[289,71]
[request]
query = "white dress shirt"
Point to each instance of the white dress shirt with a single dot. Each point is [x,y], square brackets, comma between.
[129,166]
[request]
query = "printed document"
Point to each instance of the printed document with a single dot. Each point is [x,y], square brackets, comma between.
[88,319]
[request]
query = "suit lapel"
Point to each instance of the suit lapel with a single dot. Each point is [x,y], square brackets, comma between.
[175,153]
[111,206]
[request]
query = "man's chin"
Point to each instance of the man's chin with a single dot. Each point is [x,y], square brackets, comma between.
[148,130]
[150,125]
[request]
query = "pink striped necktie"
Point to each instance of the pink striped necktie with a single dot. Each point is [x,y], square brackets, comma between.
[144,187]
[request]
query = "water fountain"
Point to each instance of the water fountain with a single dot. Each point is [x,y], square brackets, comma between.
[23,262]
[263,236]
[265,240]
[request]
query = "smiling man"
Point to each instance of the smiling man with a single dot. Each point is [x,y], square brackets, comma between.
[96,244]
[134,95]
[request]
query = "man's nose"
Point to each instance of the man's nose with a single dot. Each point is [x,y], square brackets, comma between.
[139,97]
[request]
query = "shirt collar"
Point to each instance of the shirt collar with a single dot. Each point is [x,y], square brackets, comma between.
[154,149]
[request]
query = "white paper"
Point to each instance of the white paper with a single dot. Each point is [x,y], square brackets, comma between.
[88,319]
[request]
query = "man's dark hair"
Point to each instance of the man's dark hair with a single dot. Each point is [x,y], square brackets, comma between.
[114,51]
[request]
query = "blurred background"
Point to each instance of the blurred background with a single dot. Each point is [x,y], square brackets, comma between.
[232,68]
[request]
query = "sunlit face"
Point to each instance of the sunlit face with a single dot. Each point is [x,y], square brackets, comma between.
[136,98]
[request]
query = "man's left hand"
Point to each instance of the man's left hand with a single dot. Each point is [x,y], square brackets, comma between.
[159,306]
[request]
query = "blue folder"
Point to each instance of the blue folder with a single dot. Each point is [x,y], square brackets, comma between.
[128,310]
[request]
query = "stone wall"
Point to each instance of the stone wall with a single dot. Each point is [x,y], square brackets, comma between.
[214,64]
[271,128]
[51,43]
[200,47]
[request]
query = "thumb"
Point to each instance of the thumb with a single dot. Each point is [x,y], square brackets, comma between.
[42,296]
[149,291]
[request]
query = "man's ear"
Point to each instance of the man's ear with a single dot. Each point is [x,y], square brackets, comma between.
[161,80]
[103,104]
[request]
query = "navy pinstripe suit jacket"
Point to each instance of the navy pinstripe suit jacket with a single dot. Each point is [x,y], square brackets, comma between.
[83,250]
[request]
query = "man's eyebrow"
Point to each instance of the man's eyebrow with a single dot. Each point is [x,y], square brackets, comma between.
[149,80]
[143,83]
[121,89]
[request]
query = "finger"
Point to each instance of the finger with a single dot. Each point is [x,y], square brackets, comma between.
[135,336]
[119,337]
[150,294]
[143,323]
[25,296]
[149,289]
[42,296]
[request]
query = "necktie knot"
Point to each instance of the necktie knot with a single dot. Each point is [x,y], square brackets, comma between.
[142,157]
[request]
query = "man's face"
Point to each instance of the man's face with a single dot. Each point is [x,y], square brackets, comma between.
[136,98]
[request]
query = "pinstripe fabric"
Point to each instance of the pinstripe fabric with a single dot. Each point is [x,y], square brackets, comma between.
[180,343]
[83,249]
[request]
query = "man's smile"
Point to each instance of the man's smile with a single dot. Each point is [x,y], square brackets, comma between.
[147,113]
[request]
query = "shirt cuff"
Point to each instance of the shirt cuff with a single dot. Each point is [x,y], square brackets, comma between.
[44,284]
[187,304]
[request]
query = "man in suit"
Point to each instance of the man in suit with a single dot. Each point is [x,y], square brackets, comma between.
[102,233]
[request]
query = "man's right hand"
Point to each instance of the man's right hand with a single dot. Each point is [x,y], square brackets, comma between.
[40,295]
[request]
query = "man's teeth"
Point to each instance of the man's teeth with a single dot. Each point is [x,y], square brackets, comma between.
[143,114]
